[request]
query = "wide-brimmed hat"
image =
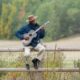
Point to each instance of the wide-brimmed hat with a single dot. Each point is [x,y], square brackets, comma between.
[31,18]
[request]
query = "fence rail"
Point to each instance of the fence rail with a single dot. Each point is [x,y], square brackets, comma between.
[47,49]
[40,70]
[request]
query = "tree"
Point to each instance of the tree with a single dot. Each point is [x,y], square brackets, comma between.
[9,18]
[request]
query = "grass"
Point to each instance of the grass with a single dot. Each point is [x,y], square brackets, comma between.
[51,59]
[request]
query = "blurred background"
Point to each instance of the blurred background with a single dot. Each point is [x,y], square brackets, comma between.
[64,17]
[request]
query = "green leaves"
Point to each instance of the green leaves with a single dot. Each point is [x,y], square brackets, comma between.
[9,14]
[64,16]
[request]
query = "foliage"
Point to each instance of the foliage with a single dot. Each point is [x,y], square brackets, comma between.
[63,15]
[12,12]
[2,64]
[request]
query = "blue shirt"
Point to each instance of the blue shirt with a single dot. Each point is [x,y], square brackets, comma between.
[26,29]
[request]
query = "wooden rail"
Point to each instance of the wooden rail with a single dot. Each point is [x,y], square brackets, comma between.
[40,70]
[47,49]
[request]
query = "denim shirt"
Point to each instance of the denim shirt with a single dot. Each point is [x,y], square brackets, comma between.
[26,29]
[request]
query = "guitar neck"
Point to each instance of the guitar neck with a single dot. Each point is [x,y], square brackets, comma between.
[44,25]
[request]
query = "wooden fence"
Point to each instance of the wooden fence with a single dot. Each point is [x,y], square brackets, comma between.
[18,49]
[38,75]
[40,70]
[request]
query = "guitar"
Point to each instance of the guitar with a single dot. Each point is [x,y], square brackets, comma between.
[32,34]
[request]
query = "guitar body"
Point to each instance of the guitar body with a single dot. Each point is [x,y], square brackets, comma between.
[30,35]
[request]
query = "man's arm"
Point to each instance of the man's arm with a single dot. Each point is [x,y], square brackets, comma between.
[20,33]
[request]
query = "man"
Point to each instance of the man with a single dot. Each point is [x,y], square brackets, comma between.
[35,42]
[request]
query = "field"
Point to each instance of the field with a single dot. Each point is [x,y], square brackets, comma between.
[59,59]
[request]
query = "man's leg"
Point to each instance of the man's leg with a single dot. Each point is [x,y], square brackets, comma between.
[27,56]
[36,61]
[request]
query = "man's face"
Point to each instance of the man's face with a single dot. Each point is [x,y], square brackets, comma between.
[33,21]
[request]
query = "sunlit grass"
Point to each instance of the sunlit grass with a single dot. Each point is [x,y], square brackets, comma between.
[51,60]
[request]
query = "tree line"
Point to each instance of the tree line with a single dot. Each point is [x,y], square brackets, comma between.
[64,17]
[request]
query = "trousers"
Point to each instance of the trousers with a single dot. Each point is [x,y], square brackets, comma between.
[40,48]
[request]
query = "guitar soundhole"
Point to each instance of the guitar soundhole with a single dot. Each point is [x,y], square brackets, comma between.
[30,34]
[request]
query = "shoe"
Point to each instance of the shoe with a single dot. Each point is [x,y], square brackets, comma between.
[36,63]
[28,66]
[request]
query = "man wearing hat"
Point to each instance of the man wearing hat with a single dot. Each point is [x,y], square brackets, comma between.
[35,42]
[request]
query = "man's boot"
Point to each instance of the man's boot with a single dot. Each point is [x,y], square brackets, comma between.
[36,63]
[28,66]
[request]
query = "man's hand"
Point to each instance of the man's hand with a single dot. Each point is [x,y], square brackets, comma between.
[26,38]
